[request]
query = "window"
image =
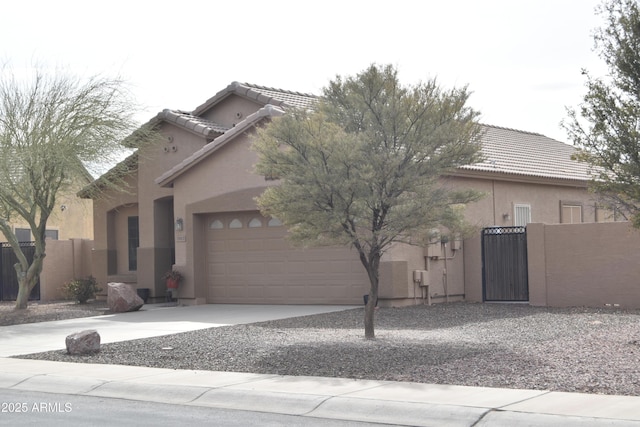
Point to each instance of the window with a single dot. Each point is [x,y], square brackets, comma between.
[23,234]
[255,223]
[216,224]
[521,215]
[570,213]
[235,223]
[133,235]
[274,222]
[51,234]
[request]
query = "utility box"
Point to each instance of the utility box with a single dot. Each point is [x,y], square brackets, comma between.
[434,250]
[456,243]
[420,278]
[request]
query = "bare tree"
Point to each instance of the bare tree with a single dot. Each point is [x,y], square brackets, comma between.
[52,128]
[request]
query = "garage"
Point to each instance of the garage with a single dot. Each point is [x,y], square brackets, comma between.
[250,262]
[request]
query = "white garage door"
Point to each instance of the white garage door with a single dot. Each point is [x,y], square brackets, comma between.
[249,261]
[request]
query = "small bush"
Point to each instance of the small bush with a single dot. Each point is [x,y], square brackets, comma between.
[81,290]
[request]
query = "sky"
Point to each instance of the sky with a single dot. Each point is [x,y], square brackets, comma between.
[521,60]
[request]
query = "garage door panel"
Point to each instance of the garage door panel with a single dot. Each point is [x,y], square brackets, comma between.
[258,265]
[275,268]
[256,268]
[217,269]
[235,269]
[340,267]
[235,245]
[237,292]
[277,244]
[277,292]
[216,246]
[255,245]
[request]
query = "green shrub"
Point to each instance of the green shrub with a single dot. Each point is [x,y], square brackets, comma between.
[81,290]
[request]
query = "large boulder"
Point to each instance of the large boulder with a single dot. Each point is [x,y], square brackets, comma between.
[84,342]
[122,298]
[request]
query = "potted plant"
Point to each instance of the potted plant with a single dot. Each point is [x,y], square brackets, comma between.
[173,278]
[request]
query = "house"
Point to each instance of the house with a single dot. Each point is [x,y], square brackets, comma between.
[190,206]
[71,219]
[69,230]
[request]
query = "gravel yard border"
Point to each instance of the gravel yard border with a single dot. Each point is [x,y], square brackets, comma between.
[492,345]
[48,311]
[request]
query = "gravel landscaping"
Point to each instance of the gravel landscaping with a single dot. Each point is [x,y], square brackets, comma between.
[492,345]
[48,311]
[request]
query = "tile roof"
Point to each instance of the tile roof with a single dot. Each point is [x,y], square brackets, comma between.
[507,152]
[293,99]
[514,152]
[264,95]
[129,164]
[193,123]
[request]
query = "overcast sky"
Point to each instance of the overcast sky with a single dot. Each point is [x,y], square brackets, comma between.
[521,59]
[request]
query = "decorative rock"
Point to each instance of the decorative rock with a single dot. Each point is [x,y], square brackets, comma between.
[85,342]
[122,298]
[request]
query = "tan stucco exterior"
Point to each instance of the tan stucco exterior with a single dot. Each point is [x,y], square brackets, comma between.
[72,217]
[502,193]
[192,177]
[592,265]
[66,260]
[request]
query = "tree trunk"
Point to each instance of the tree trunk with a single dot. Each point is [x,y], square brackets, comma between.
[369,311]
[23,294]
[27,281]
[370,308]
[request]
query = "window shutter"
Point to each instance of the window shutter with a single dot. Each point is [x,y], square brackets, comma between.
[521,215]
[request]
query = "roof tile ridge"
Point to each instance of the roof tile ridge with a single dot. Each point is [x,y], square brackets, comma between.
[232,87]
[189,121]
[260,97]
[513,130]
[274,89]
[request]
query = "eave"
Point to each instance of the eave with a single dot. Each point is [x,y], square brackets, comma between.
[522,178]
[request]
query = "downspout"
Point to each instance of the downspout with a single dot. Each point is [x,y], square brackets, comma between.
[493,197]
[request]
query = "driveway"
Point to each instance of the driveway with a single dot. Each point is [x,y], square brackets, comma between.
[151,321]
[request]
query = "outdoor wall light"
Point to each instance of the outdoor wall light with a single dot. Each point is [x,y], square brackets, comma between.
[506,216]
[179,224]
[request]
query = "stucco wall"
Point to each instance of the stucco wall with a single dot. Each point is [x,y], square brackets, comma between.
[66,260]
[591,265]
[231,110]
[231,169]
[496,208]
[72,217]
[109,201]
[500,196]
[75,220]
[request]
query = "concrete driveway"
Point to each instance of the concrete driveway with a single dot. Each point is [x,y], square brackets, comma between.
[150,321]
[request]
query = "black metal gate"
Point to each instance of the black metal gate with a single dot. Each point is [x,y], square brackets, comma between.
[8,275]
[505,275]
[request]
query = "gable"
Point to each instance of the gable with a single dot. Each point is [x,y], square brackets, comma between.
[244,126]
[231,110]
[261,95]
